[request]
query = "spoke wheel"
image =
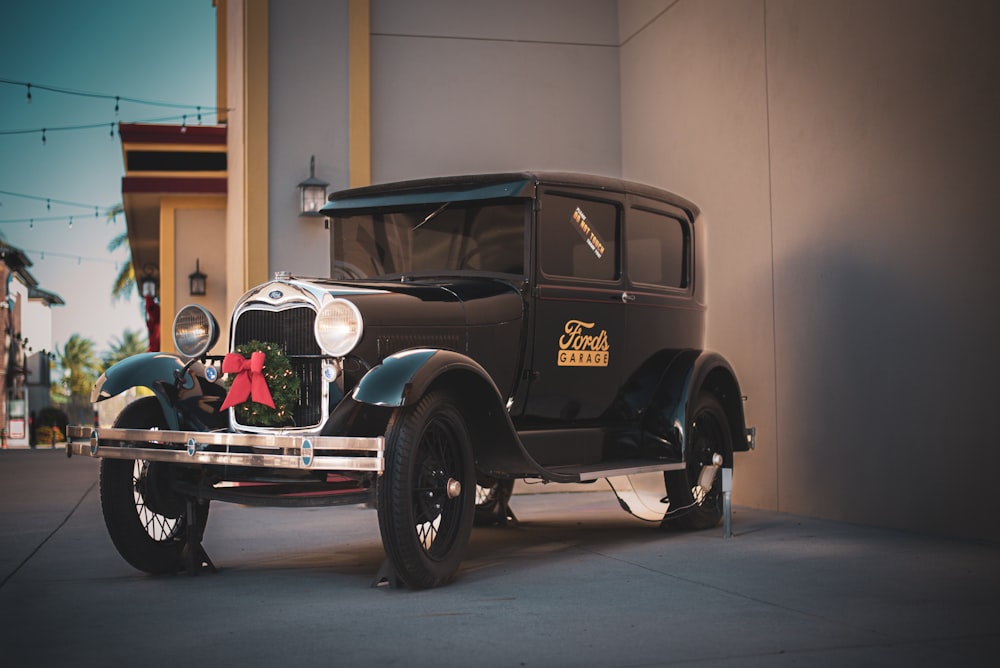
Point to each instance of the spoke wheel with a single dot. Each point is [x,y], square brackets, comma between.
[426,494]
[691,507]
[145,521]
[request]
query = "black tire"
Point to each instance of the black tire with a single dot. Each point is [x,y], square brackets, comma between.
[492,498]
[708,434]
[150,539]
[425,518]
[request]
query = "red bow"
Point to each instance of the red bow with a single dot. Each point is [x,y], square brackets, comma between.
[249,382]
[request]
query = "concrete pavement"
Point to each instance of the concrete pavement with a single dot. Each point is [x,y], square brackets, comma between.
[577,583]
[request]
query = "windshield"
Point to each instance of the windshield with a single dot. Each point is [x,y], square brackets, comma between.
[438,238]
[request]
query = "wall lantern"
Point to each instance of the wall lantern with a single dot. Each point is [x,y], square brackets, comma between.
[148,282]
[312,192]
[197,280]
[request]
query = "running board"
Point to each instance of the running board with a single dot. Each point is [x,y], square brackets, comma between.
[592,472]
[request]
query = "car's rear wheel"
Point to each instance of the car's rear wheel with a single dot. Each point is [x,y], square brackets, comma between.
[427,492]
[146,521]
[691,505]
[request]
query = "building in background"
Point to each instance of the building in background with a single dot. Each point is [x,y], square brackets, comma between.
[174,199]
[25,346]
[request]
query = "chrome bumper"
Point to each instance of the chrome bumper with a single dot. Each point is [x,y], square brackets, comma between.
[281,451]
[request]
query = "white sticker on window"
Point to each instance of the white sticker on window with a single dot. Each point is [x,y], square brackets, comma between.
[589,234]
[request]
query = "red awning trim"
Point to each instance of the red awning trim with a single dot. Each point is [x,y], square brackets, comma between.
[144,133]
[173,185]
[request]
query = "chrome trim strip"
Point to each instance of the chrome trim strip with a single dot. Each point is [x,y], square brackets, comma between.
[600,470]
[586,476]
[213,448]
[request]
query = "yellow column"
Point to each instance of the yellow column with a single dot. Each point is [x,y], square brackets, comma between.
[255,92]
[360,93]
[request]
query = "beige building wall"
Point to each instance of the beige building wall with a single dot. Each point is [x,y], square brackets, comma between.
[845,153]
[199,239]
[308,117]
[462,86]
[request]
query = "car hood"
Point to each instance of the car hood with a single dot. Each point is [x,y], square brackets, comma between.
[439,302]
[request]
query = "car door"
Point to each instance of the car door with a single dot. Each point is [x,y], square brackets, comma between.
[577,321]
[663,314]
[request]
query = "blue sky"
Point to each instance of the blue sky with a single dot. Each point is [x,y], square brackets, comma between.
[143,49]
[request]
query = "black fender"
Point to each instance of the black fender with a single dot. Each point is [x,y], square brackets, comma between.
[189,400]
[401,379]
[691,372]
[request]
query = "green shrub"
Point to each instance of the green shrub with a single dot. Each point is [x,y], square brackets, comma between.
[44,435]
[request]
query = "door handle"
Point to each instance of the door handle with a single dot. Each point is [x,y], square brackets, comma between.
[626,298]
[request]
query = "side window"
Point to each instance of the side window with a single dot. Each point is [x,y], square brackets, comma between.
[658,249]
[579,238]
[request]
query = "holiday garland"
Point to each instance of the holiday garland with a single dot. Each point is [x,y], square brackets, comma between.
[281,381]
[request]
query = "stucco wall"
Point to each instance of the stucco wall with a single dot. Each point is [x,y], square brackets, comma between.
[308,115]
[845,153]
[199,234]
[460,86]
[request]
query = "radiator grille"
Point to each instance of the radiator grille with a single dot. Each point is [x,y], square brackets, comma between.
[292,329]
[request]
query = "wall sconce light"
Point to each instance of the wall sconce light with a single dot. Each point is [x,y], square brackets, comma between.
[312,192]
[197,280]
[148,282]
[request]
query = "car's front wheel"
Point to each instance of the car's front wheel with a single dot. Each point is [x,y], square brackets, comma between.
[146,520]
[426,494]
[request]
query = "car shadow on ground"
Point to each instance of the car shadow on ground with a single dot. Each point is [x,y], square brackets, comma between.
[551,529]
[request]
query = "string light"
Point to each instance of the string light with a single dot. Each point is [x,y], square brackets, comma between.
[49,201]
[72,256]
[45,219]
[86,126]
[32,221]
[104,96]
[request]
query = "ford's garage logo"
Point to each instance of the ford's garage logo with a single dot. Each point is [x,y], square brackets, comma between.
[275,294]
[580,345]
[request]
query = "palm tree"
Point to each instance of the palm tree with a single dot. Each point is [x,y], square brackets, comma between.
[125,280]
[130,343]
[80,365]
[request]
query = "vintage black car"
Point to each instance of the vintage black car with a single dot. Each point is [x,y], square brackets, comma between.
[474,330]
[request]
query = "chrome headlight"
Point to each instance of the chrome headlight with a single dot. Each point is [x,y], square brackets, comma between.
[195,331]
[338,327]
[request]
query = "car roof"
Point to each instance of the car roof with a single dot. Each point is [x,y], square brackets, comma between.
[468,187]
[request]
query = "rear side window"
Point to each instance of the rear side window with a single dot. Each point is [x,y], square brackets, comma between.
[579,238]
[658,249]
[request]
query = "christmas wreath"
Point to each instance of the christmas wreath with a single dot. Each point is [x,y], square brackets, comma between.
[282,383]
